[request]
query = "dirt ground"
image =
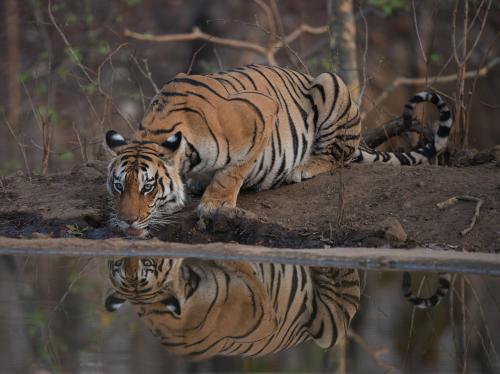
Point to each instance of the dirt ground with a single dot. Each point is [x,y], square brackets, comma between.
[302,215]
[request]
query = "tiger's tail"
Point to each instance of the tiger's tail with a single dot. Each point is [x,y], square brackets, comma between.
[421,155]
[426,302]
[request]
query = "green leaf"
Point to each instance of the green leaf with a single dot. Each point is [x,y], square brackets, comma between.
[435,57]
[67,156]
[389,6]
[89,19]
[74,54]
[24,76]
[103,48]
[132,3]
[71,19]
[89,88]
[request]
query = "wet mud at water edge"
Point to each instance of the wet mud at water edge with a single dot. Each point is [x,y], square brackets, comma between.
[382,206]
[64,314]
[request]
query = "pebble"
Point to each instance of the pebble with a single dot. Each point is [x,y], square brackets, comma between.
[495,151]
[39,235]
[393,230]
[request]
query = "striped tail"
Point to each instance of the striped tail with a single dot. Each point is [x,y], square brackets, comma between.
[426,302]
[421,155]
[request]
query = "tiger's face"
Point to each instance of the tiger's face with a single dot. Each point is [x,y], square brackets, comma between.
[182,300]
[144,178]
[143,280]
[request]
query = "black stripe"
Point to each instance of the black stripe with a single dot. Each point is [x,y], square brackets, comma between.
[223,80]
[334,102]
[136,155]
[445,116]
[164,131]
[240,71]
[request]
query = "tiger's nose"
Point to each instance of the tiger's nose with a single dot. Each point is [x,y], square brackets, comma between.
[130,220]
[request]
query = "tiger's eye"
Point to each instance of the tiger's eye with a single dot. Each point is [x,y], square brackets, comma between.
[147,188]
[119,186]
[147,262]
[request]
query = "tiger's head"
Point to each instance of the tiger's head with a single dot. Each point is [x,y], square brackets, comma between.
[183,300]
[144,178]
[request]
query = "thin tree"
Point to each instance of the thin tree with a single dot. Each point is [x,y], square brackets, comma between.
[343,42]
[14,91]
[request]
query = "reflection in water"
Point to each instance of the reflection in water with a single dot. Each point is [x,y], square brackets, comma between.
[52,319]
[207,308]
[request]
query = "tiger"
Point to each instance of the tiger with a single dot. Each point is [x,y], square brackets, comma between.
[200,308]
[253,127]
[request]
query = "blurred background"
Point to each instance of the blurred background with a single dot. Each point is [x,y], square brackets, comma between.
[83,67]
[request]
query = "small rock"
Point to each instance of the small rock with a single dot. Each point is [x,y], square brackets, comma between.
[39,235]
[421,184]
[407,205]
[483,157]
[495,151]
[393,230]
[463,157]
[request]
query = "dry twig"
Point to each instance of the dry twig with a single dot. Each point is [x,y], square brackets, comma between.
[456,199]
[83,68]
[375,353]
[21,147]
[269,53]
[430,81]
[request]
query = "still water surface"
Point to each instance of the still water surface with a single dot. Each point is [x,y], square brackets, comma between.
[161,315]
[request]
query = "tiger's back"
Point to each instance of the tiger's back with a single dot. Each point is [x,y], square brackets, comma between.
[309,114]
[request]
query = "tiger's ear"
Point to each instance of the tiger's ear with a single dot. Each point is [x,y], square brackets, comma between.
[173,142]
[114,141]
[113,301]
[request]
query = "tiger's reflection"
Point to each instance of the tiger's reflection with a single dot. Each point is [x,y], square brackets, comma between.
[206,308]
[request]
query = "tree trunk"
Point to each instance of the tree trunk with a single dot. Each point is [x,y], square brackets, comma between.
[343,42]
[14,92]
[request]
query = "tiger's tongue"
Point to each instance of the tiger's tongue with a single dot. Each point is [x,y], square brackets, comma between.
[134,232]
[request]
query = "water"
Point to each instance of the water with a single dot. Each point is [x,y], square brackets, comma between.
[53,319]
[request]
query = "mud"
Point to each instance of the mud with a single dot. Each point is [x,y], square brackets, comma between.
[304,215]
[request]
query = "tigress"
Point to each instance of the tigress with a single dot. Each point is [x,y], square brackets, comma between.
[254,127]
[206,308]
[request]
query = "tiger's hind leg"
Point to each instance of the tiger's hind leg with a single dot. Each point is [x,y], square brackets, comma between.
[317,164]
[337,127]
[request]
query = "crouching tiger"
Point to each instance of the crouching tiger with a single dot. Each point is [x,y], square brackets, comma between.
[207,308]
[250,127]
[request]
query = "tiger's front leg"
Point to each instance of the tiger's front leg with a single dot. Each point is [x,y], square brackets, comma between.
[246,120]
[221,194]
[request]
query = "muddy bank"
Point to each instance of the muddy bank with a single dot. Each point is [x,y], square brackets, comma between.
[303,215]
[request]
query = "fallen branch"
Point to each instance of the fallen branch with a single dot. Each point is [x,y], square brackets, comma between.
[429,81]
[419,259]
[379,135]
[456,199]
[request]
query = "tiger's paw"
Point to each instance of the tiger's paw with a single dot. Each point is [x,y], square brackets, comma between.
[298,175]
[214,210]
